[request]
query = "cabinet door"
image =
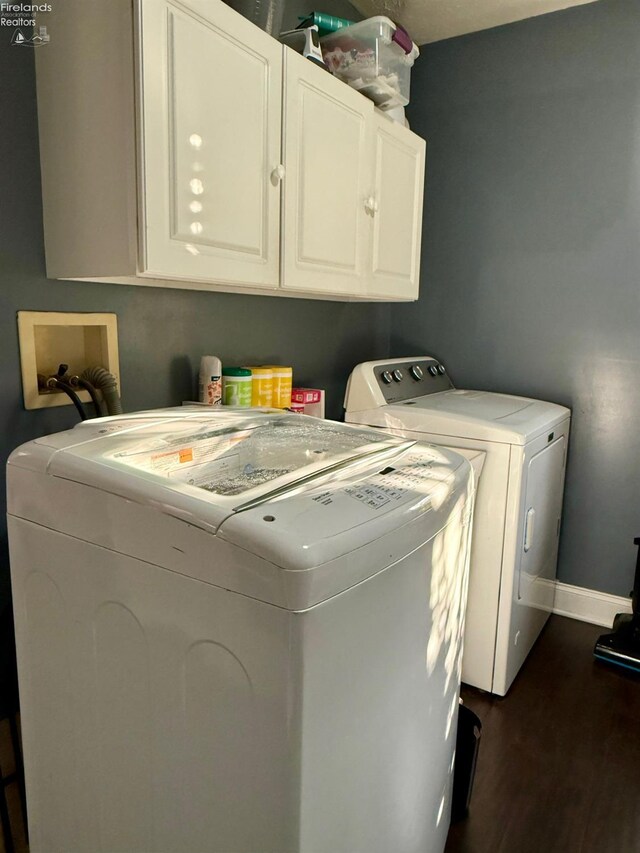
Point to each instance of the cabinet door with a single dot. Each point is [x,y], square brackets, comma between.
[397,212]
[327,161]
[211,114]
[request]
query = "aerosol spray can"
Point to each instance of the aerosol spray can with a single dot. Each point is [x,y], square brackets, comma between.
[210,380]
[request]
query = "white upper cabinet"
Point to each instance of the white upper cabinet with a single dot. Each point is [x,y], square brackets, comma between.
[326,130]
[181,146]
[211,106]
[352,210]
[397,218]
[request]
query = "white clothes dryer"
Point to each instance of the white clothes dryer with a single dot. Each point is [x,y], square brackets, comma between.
[238,632]
[518,505]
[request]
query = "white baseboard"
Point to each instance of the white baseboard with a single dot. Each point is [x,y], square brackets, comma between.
[589,605]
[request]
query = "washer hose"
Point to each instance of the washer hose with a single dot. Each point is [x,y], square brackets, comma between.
[68,390]
[108,384]
[78,382]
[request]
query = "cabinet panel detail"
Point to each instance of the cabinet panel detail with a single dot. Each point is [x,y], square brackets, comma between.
[399,181]
[215,158]
[327,158]
[211,138]
[328,181]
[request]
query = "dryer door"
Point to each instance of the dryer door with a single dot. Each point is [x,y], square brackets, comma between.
[542,511]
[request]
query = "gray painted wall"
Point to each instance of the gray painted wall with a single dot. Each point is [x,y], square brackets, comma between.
[162,333]
[531,261]
[531,250]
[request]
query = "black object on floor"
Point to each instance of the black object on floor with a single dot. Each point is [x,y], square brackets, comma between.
[9,709]
[467,746]
[622,646]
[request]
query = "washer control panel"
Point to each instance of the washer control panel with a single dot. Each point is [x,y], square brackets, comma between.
[400,381]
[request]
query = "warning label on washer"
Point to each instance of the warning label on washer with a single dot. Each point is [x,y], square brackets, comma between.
[194,452]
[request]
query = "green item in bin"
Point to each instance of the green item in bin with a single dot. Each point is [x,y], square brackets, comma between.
[325,23]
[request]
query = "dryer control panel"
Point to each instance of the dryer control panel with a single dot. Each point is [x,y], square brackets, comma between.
[402,380]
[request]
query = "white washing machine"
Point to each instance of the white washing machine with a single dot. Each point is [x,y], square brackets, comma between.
[238,633]
[518,505]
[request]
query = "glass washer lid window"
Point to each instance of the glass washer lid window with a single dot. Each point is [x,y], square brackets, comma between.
[237,459]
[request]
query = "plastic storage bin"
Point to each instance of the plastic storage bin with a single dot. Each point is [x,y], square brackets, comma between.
[375,57]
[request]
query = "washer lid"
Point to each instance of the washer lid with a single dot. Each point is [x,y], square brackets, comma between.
[476,414]
[204,465]
[294,540]
[330,537]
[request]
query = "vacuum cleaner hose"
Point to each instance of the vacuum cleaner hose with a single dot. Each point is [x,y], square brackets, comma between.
[108,384]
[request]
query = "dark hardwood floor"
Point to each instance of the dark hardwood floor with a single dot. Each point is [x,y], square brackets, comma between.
[559,763]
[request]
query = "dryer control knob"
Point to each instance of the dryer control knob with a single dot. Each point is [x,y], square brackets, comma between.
[386,377]
[416,371]
[397,375]
[433,370]
[441,369]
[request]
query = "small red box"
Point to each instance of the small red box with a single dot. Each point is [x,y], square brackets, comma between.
[306,395]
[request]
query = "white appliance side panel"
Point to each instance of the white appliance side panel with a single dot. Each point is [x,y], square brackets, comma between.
[128,676]
[528,589]
[487,547]
[401,630]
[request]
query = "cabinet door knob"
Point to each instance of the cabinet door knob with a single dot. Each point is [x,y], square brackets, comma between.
[375,205]
[277,175]
[369,204]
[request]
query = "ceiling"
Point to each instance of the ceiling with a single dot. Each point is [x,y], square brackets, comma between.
[434,20]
